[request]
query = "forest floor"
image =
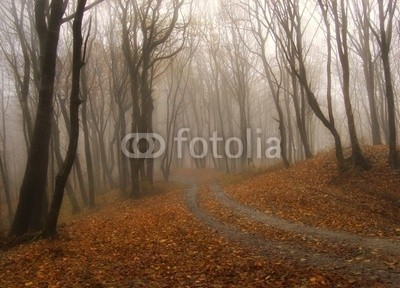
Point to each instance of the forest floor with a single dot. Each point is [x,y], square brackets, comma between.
[302,227]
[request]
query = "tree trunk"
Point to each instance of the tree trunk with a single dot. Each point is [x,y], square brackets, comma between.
[300,121]
[62,176]
[341,40]
[122,159]
[59,159]
[30,210]
[385,42]
[77,163]
[81,182]
[86,136]
[6,186]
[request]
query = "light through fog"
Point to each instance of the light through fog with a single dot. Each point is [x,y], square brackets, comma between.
[116,99]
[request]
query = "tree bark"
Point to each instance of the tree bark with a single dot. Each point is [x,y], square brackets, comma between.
[341,27]
[75,101]
[86,136]
[385,42]
[30,211]
[59,160]
[6,186]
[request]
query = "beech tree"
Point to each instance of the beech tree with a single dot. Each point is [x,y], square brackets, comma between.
[22,77]
[75,101]
[4,171]
[362,44]
[146,32]
[340,11]
[283,31]
[31,211]
[383,34]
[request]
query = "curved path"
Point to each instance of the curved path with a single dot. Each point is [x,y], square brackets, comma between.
[385,245]
[372,269]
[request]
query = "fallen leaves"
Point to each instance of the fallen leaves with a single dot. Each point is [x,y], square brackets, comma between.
[156,242]
[151,242]
[314,193]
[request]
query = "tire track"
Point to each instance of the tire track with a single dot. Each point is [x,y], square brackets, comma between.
[372,270]
[385,245]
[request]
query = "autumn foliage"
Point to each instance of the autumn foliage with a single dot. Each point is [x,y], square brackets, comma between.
[158,241]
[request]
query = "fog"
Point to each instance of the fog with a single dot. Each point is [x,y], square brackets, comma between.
[312,76]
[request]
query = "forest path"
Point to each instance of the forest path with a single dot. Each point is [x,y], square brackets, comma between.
[387,246]
[361,257]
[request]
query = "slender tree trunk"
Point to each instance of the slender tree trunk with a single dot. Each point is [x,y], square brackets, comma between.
[220,117]
[30,211]
[341,40]
[59,159]
[385,42]
[300,121]
[281,121]
[369,74]
[77,163]
[290,142]
[62,176]
[79,174]
[123,163]
[131,58]
[86,136]
[104,163]
[135,173]
[6,186]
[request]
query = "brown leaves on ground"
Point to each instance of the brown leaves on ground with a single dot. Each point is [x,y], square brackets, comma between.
[315,193]
[156,242]
[151,242]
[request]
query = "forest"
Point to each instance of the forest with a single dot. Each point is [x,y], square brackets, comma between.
[213,143]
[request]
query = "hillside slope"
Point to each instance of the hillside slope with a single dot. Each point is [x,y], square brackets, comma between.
[315,193]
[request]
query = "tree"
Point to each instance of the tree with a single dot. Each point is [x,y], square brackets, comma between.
[291,30]
[339,11]
[86,136]
[3,158]
[362,45]
[262,33]
[119,88]
[239,76]
[75,102]
[157,30]
[22,77]
[176,87]
[148,30]
[130,48]
[384,37]
[31,211]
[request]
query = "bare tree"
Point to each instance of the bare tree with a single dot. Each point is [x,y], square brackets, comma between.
[383,34]
[119,89]
[86,136]
[179,72]
[75,101]
[22,77]
[146,32]
[216,74]
[30,211]
[130,48]
[3,156]
[239,76]
[282,31]
[362,45]
[262,34]
[339,11]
